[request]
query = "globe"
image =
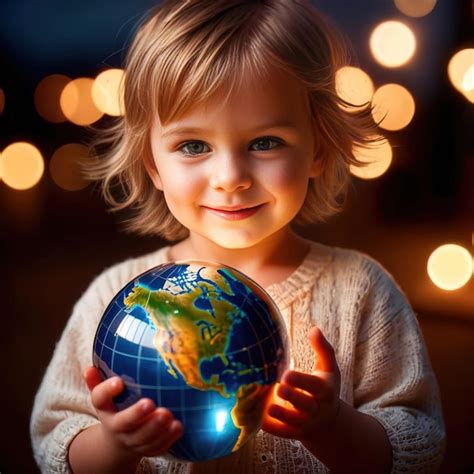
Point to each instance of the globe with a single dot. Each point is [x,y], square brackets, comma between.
[201,339]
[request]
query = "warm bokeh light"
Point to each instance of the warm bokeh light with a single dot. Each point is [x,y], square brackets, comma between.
[47,95]
[354,86]
[77,104]
[393,107]
[392,43]
[379,155]
[65,166]
[415,8]
[107,92]
[467,84]
[21,165]
[461,72]
[450,267]
[2,100]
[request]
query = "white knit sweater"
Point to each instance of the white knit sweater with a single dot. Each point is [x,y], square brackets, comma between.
[384,364]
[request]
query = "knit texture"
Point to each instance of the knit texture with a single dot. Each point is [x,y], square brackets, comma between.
[384,365]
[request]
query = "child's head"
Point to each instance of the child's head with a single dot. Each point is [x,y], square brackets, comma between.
[230,66]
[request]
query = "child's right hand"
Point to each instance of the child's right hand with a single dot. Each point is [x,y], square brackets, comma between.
[140,429]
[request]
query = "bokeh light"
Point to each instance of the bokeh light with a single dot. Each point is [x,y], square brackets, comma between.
[77,104]
[107,92]
[461,72]
[415,8]
[392,43]
[393,107]
[47,96]
[450,267]
[65,166]
[378,154]
[21,165]
[354,85]
[2,100]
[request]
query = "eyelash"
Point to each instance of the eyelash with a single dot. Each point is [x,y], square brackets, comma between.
[272,139]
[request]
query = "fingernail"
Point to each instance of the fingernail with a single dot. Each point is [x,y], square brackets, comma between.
[114,382]
[147,406]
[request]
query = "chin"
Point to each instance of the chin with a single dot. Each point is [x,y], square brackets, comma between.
[233,240]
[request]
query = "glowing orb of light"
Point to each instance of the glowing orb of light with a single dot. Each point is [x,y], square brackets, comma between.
[354,85]
[21,165]
[450,267]
[65,166]
[379,157]
[415,8]
[393,107]
[47,96]
[461,72]
[77,104]
[392,43]
[107,92]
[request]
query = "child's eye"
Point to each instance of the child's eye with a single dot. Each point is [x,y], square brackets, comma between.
[195,148]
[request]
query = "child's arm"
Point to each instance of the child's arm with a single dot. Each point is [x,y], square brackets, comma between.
[122,438]
[63,409]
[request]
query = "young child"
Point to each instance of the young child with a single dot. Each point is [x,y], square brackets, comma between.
[208,83]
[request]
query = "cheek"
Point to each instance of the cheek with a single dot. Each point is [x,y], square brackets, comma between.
[287,178]
[180,185]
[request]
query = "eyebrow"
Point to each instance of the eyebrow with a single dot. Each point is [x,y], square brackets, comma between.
[186,130]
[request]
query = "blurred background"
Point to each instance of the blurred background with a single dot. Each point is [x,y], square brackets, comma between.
[412,209]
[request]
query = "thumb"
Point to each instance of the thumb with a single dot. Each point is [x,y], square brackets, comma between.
[325,357]
[92,377]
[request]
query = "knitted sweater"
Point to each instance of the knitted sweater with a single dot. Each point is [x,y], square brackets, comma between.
[384,365]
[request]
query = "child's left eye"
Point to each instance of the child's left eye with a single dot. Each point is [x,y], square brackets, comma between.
[195,148]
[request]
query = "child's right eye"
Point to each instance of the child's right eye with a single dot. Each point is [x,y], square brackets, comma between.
[195,148]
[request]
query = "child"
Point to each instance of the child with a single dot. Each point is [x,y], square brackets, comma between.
[207,83]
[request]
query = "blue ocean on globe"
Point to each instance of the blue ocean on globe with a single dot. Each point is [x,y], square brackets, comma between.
[204,341]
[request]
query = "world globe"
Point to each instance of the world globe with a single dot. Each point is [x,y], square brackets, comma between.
[201,339]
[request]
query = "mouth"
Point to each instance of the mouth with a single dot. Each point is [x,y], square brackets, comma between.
[236,213]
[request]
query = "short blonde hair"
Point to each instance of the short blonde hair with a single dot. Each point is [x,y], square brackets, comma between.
[186,52]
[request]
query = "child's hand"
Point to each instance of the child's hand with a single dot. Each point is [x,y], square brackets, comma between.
[314,398]
[139,429]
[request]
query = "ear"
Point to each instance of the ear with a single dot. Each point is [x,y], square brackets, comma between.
[152,172]
[317,167]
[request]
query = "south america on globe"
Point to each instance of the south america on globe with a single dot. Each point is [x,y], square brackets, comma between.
[201,339]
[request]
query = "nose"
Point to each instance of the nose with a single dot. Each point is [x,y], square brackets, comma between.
[230,173]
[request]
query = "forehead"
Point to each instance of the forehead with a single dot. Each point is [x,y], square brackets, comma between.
[255,100]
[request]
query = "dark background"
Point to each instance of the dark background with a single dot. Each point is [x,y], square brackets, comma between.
[54,242]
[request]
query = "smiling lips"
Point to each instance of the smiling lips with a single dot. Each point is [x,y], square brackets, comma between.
[236,214]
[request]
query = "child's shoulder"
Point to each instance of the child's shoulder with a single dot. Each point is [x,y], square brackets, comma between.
[354,266]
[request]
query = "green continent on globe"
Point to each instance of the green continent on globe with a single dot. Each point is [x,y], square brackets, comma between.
[186,335]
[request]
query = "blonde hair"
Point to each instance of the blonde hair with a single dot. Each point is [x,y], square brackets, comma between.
[187,52]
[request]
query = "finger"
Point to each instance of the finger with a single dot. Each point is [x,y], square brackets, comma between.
[288,416]
[154,430]
[103,393]
[300,400]
[277,428]
[310,383]
[133,417]
[92,377]
[325,357]
[162,445]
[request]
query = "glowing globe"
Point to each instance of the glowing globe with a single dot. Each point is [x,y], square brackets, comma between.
[204,341]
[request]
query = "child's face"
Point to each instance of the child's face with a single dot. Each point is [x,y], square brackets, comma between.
[236,159]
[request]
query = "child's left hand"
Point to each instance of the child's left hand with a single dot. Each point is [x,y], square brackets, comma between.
[314,397]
